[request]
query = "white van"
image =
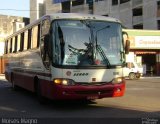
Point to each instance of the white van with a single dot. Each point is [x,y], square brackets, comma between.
[133,70]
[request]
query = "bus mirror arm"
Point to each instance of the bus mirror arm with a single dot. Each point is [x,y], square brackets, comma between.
[127,46]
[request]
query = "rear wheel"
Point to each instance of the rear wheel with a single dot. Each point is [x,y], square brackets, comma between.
[138,76]
[132,76]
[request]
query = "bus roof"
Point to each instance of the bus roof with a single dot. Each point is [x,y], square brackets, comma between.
[141,32]
[73,16]
[81,16]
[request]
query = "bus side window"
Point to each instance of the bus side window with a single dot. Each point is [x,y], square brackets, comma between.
[18,42]
[22,42]
[13,43]
[15,46]
[25,45]
[29,38]
[6,47]
[38,35]
[10,46]
[34,40]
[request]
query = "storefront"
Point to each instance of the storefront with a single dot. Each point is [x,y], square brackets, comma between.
[145,44]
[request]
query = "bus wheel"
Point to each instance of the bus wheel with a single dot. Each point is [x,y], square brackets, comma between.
[41,99]
[132,76]
[14,87]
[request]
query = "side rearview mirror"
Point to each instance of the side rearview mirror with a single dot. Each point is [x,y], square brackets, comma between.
[126,42]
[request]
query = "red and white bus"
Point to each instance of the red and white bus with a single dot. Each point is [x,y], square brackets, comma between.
[68,56]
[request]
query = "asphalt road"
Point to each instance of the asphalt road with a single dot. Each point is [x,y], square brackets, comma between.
[141,101]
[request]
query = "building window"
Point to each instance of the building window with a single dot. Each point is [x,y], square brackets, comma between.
[90,6]
[158,4]
[66,7]
[158,8]
[114,2]
[158,24]
[137,12]
[124,1]
[105,15]
[77,2]
[98,0]
[139,26]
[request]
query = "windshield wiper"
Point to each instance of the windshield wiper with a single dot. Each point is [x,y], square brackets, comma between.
[99,48]
[102,54]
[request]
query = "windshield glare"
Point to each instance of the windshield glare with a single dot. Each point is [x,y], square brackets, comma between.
[86,43]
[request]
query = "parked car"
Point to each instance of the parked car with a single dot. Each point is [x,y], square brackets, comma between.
[133,70]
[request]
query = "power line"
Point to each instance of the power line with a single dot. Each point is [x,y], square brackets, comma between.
[20,10]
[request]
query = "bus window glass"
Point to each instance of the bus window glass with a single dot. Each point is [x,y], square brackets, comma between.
[38,39]
[18,42]
[29,38]
[6,47]
[10,46]
[13,44]
[25,40]
[15,49]
[34,37]
[83,43]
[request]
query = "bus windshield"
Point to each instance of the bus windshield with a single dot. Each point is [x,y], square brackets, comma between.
[87,43]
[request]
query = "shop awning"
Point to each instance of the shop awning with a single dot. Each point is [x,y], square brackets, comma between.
[145,52]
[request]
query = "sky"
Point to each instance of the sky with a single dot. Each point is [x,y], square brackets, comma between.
[15,7]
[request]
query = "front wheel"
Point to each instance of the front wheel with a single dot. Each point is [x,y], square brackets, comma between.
[132,76]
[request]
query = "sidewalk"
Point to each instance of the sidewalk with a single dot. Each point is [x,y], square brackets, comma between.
[150,77]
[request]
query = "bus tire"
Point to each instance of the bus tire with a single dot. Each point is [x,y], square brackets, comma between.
[132,76]
[14,87]
[41,99]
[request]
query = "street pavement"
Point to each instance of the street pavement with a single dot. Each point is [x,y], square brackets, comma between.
[141,100]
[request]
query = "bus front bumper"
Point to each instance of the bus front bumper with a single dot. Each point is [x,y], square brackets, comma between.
[88,92]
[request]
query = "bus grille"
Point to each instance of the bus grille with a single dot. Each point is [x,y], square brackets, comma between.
[93,92]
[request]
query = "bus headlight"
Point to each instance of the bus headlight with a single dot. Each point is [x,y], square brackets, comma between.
[117,80]
[64,82]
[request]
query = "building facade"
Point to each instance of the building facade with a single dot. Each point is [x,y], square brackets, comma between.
[137,14]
